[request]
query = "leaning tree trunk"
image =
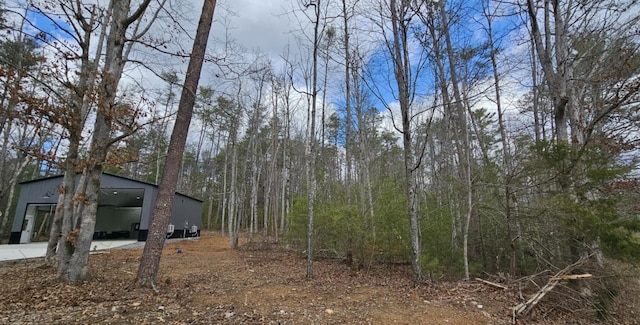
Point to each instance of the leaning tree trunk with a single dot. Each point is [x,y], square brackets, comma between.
[150,262]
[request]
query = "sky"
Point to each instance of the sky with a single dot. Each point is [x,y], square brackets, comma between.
[260,23]
[256,25]
[267,26]
[263,25]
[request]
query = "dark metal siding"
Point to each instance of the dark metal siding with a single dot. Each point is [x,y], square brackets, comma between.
[35,192]
[185,208]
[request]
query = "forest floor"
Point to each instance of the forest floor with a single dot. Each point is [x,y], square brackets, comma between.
[208,283]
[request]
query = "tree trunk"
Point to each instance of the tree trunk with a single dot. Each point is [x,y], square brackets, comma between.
[504,140]
[223,209]
[79,105]
[12,190]
[286,164]
[233,214]
[271,189]
[311,144]
[150,262]
[76,267]
[368,211]
[458,114]
[399,51]
[210,187]
[556,77]
[63,207]
[78,222]
[347,108]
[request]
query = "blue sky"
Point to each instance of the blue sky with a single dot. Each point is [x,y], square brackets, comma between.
[265,25]
[53,27]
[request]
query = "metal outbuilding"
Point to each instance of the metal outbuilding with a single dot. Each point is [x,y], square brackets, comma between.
[124,210]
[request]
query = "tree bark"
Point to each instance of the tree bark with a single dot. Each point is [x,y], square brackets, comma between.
[506,152]
[232,216]
[79,218]
[223,209]
[311,151]
[556,77]
[347,108]
[79,105]
[462,140]
[150,262]
[399,51]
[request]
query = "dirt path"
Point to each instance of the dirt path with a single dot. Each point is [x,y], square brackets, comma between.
[210,284]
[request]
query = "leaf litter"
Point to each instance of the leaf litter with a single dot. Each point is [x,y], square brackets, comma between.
[205,282]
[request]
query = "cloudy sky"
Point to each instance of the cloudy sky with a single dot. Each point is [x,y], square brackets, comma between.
[264,25]
[260,24]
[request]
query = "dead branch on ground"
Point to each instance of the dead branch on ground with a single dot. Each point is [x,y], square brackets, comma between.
[524,308]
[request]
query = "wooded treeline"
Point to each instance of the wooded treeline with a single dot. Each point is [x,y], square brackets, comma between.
[461,137]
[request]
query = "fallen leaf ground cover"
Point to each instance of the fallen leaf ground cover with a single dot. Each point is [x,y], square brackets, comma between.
[208,283]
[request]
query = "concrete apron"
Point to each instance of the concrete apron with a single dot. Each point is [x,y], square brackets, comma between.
[32,250]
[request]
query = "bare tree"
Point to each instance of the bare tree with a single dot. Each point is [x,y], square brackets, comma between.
[316,19]
[461,131]
[259,76]
[23,128]
[400,15]
[73,257]
[171,77]
[489,13]
[347,109]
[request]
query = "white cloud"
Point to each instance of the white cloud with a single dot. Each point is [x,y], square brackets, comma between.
[261,24]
